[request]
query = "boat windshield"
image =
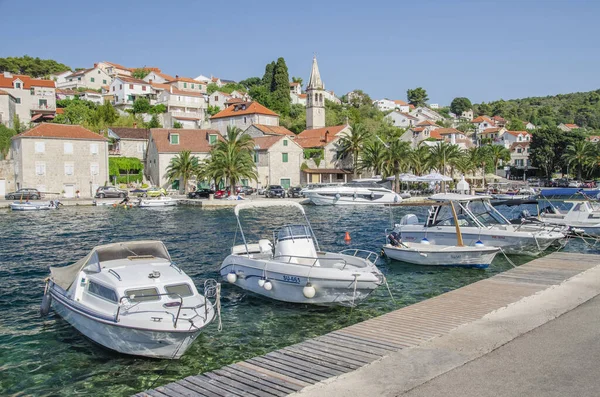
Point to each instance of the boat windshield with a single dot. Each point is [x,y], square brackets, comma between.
[293,231]
[485,213]
[478,212]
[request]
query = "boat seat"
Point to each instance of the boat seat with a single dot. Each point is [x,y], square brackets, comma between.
[241,249]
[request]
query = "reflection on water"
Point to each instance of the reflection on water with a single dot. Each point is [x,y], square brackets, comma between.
[46,356]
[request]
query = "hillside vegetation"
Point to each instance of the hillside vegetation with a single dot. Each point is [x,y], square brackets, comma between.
[34,67]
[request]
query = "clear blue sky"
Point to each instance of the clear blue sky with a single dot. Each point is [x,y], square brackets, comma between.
[484,50]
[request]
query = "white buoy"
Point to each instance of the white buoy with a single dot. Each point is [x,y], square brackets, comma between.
[309,291]
[268,286]
[261,282]
[479,243]
[231,277]
[425,241]
[337,196]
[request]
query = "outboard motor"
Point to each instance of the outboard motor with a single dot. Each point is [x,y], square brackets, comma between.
[395,239]
[409,219]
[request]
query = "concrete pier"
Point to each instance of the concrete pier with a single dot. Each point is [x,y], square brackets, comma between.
[401,350]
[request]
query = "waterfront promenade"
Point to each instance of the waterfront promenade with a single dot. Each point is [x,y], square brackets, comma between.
[402,350]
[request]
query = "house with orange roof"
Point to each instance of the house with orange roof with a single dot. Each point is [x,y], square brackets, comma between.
[510,137]
[186,107]
[455,137]
[482,123]
[243,115]
[92,96]
[401,120]
[499,121]
[258,130]
[165,144]
[423,113]
[295,88]
[8,109]
[491,135]
[158,77]
[60,159]
[386,105]
[59,77]
[424,131]
[114,69]
[519,155]
[93,78]
[125,90]
[187,84]
[219,99]
[568,127]
[278,161]
[35,99]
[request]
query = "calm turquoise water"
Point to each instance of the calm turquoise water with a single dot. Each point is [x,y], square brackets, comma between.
[45,356]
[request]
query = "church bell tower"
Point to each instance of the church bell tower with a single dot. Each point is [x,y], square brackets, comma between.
[315,101]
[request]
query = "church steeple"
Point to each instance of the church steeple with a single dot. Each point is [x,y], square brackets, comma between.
[315,102]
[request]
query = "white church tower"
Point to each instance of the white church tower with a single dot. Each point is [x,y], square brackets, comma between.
[315,102]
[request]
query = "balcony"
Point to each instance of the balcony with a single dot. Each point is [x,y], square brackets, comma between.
[189,115]
[43,107]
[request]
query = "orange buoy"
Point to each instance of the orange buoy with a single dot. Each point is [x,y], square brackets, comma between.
[347,237]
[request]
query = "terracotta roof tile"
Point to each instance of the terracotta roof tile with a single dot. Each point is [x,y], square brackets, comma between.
[28,82]
[447,131]
[127,79]
[399,102]
[196,141]
[515,144]
[131,133]
[491,130]
[273,130]
[435,135]
[185,80]
[418,129]
[265,142]
[244,108]
[426,122]
[234,100]
[517,133]
[60,111]
[116,65]
[48,130]
[482,119]
[317,137]
[294,84]
[572,126]
[303,96]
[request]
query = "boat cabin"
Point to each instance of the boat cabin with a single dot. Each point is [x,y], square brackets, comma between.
[471,211]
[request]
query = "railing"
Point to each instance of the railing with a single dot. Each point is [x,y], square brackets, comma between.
[187,114]
[36,106]
[311,258]
[154,295]
[357,251]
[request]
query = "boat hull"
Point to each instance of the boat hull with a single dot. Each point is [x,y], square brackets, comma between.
[318,199]
[447,256]
[157,203]
[31,207]
[288,284]
[126,340]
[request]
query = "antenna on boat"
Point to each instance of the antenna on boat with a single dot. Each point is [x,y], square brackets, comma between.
[459,240]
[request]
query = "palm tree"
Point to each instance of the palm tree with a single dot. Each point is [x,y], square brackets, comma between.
[396,158]
[352,143]
[183,166]
[497,153]
[231,158]
[418,160]
[373,156]
[442,155]
[464,165]
[581,155]
[480,156]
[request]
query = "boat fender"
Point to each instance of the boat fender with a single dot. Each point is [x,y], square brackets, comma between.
[231,277]
[395,198]
[268,285]
[372,195]
[309,291]
[45,307]
[479,243]
[425,241]
[337,196]
[354,196]
[261,282]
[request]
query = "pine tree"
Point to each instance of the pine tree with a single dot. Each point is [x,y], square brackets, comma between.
[281,88]
[267,79]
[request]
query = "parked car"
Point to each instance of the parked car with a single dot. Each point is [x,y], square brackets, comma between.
[275,191]
[294,191]
[574,183]
[155,192]
[222,193]
[25,194]
[247,190]
[201,193]
[589,184]
[111,191]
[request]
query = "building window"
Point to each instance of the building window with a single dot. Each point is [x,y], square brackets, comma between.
[216,98]
[284,157]
[113,88]
[93,148]
[212,139]
[32,91]
[103,81]
[40,147]
[17,100]
[92,79]
[192,85]
[244,119]
[256,157]
[130,98]
[17,85]
[285,142]
[285,183]
[68,148]
[140,147]
[78,78]
[174,139]
[40,168]
[43,103]
[69,168]
[120,86]
[94,169]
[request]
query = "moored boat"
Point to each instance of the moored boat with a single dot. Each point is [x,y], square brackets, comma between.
[130,297]
[35,206]
[352,193]
[162,201]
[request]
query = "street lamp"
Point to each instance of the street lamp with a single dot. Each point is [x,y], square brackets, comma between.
[525,173]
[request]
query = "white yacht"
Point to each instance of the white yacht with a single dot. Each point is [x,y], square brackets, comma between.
[130,297]
[479,222]
[581,214]
[35,206]
[292,268]
[352,193]
[162,201]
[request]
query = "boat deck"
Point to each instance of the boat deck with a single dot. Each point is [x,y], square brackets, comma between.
[290,369]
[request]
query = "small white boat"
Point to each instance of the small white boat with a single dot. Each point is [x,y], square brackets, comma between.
[115,203]
[424,253]
[292,268]
[35,206]
[162,201]
[352,193]
[582,215]
[130,297]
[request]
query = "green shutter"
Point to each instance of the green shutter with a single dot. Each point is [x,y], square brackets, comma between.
[285,142]
[256,157]
[92,79]
[284,157]
[103,81]
[184,85]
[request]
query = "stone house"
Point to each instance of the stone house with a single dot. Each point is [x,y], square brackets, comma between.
[164,144]
[125,90]
[568,127]
[60,77]
[187,107]
[510,137]
[519,155]
[493,134]
[60,159]
[401,120]
[93,78]
[482,123]
[427,131]
[257,130]
[455,137]
[91,96]
[35,99]
[128,142]
[8,109]
[424,113]
[278,160]
[219,99]
[113,69]
[158,77]
[243,115]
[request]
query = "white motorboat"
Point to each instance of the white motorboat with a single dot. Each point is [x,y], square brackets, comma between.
[362,193]
[115,203]
[581,214]
[479,222]
[162,201]
[292,268]
[424,253]
[130,297]
[35,206]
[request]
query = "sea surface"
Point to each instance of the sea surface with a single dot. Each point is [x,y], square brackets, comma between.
[47,357]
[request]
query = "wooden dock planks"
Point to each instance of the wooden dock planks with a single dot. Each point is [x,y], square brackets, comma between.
[292,368]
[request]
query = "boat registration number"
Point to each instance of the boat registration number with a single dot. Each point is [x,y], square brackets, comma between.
[291,279]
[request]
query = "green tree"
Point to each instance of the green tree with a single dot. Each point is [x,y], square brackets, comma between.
[373,156]
[417,97]
[396,159]
[177,125]
[262,95]
[515,125]
[213,109]
[267,79]
[419,160]
[211,88]
[297,80]
[442,155]
[5,139]
[352,143]
[251,82]
[154,123]
[280,91]
[466,126]
[140,73]
[497,153]
[18,126]
[34,67]
[582,155]
[141,105]
[480,158]
[158,109]
[107,113]
[232,159]
[542,149]
[183,166]
[460,105]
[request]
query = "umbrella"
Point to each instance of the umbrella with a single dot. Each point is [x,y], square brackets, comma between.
[434,177]
[405,178]
[493,177]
